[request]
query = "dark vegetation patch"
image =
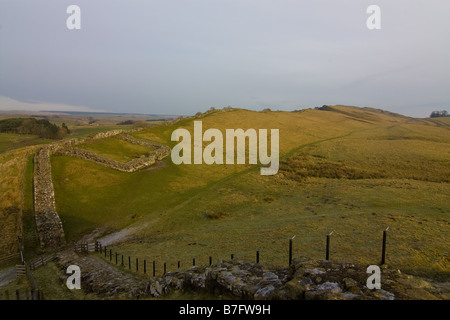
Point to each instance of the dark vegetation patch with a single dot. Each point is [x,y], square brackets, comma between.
[41,127]
[213,215]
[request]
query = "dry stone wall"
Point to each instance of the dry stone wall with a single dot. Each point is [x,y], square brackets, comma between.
[48,224]
[108,134]
[160,152]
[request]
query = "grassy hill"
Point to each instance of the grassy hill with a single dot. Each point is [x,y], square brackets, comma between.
[350,170]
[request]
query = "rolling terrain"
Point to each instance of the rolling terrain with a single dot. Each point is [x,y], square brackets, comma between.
[347,170]
[354,171]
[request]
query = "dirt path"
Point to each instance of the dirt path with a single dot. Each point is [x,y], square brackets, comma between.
[123,235]
[131,231]
[114,238]
[7,276]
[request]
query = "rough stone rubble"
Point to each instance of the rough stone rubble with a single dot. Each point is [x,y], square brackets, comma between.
[305,279]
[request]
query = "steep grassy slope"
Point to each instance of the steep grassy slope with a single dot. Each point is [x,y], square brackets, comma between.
[111,197]
[12,166]
[349,170]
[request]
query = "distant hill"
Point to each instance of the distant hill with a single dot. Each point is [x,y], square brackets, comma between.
[366,113]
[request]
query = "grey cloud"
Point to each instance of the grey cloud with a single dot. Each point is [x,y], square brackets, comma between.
[184,56]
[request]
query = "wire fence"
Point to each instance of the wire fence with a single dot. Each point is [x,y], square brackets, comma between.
[155,268]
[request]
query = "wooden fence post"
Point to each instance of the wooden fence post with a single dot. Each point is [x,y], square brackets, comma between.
[164,268]
[129,262]
[145,266]
[257,256]
[154,268]
[383,250]
[290,249]
[327,253]
[210,260]
[137,265]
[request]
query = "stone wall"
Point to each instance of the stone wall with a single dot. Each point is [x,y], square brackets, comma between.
[49,227]
[48,224]
[305,279]
[112,133]
[141,142]
[159,153]
[108,134]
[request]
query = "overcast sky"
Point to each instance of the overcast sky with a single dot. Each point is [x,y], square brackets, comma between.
[185,56]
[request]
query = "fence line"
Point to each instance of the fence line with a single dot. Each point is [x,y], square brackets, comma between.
[108,254]
[30,294]
[83,247]
[41,261]
[9,257]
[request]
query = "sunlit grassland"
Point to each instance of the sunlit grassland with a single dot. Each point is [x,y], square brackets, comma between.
[11,141]
[52,288]
[249,214]
[84,131]
[89,195]
[12,165]
[8,139]
[115,149]
[353,173]
[31,244]
[360,156]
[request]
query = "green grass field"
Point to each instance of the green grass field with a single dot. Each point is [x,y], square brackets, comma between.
[115,149]
[84,131]
[351,171]
[10,141]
